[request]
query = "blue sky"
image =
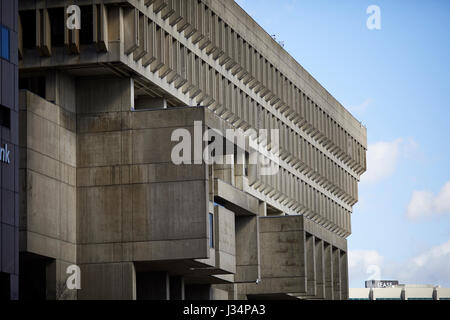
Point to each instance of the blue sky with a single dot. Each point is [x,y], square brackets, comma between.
[396,81]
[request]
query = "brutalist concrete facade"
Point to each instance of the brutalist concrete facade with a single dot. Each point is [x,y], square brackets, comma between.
[9,157]
[98,186]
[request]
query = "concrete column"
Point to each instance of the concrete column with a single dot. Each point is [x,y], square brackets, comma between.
[336,273]
[153,286]
[310,265]
[262,208]
[328,260]
[344,276]
[239,169]
[320,269]
[177,288]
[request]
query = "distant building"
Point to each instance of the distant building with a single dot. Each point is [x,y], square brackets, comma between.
[392,290]
[381,283]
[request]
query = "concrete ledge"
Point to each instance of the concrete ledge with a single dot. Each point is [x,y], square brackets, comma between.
[234,199]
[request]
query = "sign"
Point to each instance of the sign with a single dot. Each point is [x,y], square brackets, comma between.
[381,283]
[4,154]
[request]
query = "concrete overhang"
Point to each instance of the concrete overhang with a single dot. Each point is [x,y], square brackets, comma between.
[234,199]
[298,259]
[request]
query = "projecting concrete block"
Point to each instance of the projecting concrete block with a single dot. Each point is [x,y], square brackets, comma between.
[169,118]
[171,250]
[247,249]
[40,163]
[101,149]
[164,211]
[225,244]
[99,217]
[43,205]
[67,147]
[42,135]
[234,199]
[282,254]
[103,95]
[40,107]
[100,122]
[68,218]
[100,253]
[155,145]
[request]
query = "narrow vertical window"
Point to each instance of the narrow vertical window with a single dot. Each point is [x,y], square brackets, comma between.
[5,117]
[5,43]
[211,230]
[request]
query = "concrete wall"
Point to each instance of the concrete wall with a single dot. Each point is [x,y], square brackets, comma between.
[297,261]
[99,190]
[190,64]
[48,186]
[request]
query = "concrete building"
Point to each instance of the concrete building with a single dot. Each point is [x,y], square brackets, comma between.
[392,290]
[98,185]
[9,157]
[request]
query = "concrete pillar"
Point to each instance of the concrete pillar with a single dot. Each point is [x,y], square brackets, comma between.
[177,288]
[262,208]
[153,286]
[344,276]
[336,273]
[310,265]
[320,269]
[328,260]
[239,168]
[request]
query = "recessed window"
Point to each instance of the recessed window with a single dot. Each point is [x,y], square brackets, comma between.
[211,230]
[4,35]
[86,32]
[5,117]
[57,26]
[28,19]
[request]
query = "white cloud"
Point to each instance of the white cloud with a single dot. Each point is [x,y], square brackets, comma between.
[442,201]
[382,159]
[429,267]
[363,263]
[364,258]
[426,204]
[361,108]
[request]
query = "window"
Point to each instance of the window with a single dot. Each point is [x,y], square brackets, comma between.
[4,35]
[211,230]
[5,117]
[57,26]
[86,32]
[28,19]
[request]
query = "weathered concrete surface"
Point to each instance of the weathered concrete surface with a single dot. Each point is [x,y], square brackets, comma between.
[297,261]
[101,151]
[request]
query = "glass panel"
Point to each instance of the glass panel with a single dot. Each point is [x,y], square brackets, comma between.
[211,230]
[5,43]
